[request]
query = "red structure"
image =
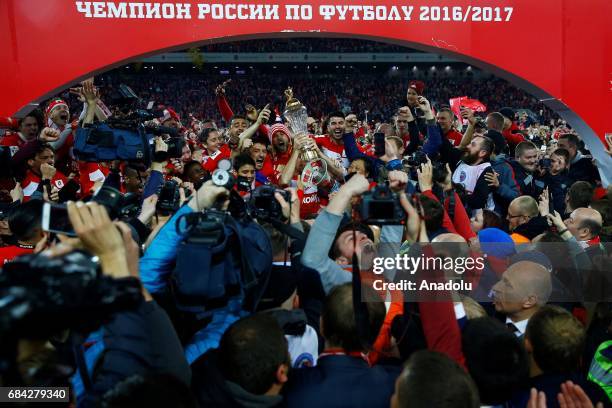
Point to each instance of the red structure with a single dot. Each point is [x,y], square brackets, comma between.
[559,50]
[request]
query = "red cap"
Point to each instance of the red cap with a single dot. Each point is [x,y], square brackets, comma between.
[418,86]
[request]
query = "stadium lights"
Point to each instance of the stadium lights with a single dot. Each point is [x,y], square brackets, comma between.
[447,68]
[171,67]
[469,68]
[414,68]
[433,68]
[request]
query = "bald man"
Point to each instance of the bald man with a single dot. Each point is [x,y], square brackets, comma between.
[524,221]
[524,287]
[585,225]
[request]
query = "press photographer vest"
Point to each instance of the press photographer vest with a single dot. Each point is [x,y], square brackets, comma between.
[468,176]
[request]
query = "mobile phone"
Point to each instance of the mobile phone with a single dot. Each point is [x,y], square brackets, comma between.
[55,219]
[379,144]
[551,205]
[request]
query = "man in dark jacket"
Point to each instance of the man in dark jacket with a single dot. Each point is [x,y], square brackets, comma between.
[248,369]
[526,170]
[524,221]
[343,376]
[581,166]
[554,341]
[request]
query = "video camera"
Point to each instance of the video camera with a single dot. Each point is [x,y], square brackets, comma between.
[169,198]
[42,296]
[118,205]
[263,205]
[127,135]
[381,206]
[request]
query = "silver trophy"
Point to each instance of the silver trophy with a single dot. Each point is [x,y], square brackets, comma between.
[297,116]
[315,171]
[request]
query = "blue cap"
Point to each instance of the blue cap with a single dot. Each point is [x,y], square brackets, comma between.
[495,242]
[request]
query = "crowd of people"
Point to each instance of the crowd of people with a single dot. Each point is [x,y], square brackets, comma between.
[358,92]
[306,45]
[250,236]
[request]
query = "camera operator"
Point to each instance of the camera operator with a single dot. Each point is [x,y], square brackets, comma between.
[330,245]
[157,262]
[134,341]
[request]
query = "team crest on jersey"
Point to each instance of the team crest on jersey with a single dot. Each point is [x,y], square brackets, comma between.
[304,360]
[462,176]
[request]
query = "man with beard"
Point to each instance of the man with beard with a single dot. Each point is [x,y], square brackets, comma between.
[526,170]
[332,144]
[471,173]
[28,131]
[281,148]
[238,125]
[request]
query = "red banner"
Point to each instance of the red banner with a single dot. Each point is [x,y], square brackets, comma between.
[559,50]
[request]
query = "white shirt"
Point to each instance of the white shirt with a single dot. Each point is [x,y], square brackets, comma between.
[520,325]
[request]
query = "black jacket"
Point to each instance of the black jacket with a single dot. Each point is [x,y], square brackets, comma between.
[529,183]
[134,342]
[584,170]
[532,228]
[558,186]
[213,390]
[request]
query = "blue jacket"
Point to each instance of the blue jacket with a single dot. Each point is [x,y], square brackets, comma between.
[156,267]
[508,188]
[158,261]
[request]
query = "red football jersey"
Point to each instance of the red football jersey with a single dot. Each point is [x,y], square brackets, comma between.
[31,182]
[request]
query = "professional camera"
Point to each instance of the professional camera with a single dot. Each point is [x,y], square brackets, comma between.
[42,296]
[169,199]
[127,134]
[222,177]
[381,206]
[118,205]
[263,204]
[439,172]
[416,159]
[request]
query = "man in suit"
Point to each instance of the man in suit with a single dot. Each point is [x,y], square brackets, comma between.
[524,287]
[343,376]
